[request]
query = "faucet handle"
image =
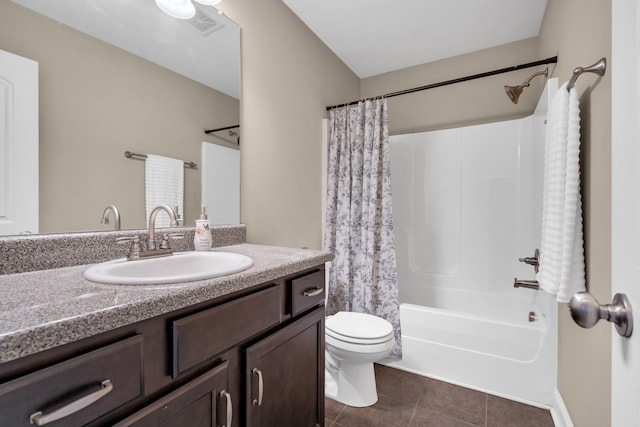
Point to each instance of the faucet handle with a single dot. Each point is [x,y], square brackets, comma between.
[164,244]
[136,248]
[533,261]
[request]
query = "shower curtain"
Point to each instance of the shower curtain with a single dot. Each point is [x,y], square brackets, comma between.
[359,222]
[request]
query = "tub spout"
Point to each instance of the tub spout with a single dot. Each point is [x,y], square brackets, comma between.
[529,284]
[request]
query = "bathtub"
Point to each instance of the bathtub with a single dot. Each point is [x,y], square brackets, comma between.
[484,342]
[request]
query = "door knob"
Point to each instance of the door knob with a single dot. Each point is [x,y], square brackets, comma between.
[586,312]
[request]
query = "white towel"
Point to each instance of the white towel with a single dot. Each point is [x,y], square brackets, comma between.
[562,248]
[164,184]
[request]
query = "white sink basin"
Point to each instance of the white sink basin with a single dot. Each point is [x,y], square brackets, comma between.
[179,267]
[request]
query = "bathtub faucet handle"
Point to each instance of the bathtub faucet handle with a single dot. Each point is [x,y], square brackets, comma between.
[534,260]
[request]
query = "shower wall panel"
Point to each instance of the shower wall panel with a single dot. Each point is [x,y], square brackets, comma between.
[463,202]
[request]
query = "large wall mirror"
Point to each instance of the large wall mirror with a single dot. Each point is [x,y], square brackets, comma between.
[116,76]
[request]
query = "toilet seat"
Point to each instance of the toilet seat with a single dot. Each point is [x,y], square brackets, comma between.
[358,328]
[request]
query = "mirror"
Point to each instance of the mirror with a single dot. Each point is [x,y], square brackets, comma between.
[116,76]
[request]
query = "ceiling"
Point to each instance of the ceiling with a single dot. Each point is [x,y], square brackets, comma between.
[377,36]
[205,48]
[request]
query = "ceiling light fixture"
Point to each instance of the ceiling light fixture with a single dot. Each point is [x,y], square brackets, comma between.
[182,9]
[208,2]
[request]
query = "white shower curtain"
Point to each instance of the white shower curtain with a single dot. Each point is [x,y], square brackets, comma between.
[359,222]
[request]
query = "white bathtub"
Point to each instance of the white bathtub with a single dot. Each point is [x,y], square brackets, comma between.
[482,348]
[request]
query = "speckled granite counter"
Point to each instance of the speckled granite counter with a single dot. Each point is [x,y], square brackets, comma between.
[19,254]
[43,309]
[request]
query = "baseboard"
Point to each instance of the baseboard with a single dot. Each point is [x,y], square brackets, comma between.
[559,411]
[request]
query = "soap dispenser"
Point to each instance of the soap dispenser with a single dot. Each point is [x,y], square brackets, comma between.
[202,240]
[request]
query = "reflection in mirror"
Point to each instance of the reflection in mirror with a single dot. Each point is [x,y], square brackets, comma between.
[116,76]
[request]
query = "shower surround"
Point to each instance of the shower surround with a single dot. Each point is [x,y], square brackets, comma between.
[467,205]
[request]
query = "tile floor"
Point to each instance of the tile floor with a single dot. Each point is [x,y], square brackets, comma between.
[408,400]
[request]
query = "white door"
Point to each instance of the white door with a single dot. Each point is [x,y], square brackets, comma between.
[18,144]
[221,183]
[625,124]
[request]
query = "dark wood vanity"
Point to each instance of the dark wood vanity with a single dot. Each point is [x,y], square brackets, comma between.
[253,357]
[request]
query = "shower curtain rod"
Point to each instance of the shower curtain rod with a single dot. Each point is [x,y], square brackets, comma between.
[208,131]
[552,60]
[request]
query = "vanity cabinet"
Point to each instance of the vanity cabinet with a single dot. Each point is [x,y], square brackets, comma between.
[250,358]
[285,375]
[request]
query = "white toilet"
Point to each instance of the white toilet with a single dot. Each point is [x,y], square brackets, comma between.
[353,342]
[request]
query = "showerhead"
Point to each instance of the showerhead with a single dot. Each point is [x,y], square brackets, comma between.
[514,92]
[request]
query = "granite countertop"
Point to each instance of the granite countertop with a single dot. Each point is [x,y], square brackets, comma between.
[44,309]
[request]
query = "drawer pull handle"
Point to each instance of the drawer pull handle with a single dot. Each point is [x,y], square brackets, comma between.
[258,401]
[227,397]
[313,292]
[38,418]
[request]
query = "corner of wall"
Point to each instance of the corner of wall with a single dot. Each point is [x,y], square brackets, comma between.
[559,412]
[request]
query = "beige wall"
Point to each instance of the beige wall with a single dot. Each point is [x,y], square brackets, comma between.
[579,32]
[288,78]
[96,102]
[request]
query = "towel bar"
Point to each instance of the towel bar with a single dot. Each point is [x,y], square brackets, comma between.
[136,156]
[598,68]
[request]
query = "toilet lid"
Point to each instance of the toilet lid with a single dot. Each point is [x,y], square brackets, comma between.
[351,326]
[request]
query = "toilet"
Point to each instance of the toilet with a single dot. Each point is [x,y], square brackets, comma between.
[353,342]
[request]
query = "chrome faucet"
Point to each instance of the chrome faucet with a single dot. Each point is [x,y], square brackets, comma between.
[151,243]
[116,216]
[152,250]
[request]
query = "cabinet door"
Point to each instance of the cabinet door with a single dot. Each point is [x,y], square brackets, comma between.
[202,402]
[285,375]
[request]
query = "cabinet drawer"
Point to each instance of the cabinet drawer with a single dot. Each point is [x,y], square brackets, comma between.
[77,390]
[307,291]
[201,336]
